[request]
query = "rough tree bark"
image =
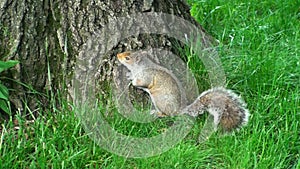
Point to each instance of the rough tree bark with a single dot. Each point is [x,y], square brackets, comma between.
[47,37]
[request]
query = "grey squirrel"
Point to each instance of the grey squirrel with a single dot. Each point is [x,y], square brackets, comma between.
[228,109]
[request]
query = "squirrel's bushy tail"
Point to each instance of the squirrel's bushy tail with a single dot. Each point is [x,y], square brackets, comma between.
[228,109]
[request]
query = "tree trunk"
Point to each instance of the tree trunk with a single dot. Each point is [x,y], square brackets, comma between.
[49,39]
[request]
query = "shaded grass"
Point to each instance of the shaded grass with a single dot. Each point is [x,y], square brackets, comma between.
[259,48]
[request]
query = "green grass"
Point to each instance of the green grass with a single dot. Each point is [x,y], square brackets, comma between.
[259,49]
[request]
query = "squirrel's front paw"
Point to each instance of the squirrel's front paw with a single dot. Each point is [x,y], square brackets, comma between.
[129,76]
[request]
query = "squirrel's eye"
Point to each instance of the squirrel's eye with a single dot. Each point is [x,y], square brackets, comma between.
[127,58]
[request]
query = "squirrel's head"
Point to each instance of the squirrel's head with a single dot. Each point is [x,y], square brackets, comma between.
[135,60]
[125,58]
[129,59]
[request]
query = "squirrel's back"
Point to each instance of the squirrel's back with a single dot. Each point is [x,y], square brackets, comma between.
[164,90]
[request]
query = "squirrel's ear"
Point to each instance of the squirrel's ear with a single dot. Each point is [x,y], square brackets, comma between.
[138,58]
